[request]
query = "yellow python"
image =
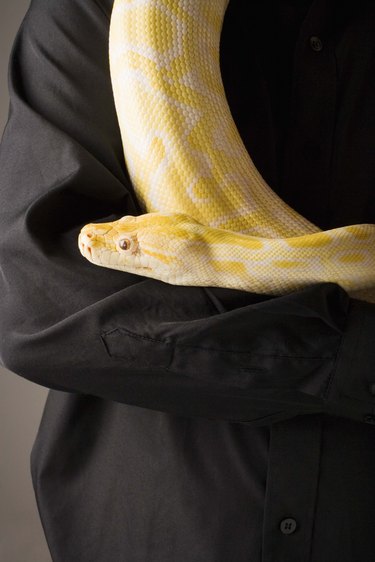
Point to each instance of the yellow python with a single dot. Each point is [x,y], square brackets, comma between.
[210,218]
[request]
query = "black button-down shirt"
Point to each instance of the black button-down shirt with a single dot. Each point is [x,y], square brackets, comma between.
[190,424]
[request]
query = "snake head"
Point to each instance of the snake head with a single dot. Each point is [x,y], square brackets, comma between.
[113,244]
[151,245]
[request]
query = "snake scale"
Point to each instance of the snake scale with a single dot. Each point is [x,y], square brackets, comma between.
[210,219]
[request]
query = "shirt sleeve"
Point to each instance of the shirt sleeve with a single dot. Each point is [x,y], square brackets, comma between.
[72,326]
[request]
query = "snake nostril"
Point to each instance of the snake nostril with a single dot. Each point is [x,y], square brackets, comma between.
[86,238]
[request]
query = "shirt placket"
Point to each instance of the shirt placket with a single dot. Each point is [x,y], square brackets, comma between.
[295,444]
[291,489]
[306,173]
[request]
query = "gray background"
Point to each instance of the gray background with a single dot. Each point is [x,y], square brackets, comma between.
[21,402]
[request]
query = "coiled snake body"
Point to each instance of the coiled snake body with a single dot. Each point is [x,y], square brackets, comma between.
[210,219]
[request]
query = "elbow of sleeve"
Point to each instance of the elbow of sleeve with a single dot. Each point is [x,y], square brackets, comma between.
[25,361]
[15,360]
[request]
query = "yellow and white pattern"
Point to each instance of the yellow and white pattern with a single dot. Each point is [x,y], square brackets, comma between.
[210,219]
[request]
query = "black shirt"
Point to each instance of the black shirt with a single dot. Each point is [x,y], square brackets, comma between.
[190,424]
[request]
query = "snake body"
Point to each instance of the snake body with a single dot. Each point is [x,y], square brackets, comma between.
[210,219]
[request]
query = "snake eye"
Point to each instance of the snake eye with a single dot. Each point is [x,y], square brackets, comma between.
[124,243]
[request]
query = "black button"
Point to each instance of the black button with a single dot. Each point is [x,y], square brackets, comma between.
[372,388]
[288,525]
[316,43]
[368,418]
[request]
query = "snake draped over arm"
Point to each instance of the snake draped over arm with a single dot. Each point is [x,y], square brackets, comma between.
[210,219]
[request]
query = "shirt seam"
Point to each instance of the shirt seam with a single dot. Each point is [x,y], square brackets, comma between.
[221,350]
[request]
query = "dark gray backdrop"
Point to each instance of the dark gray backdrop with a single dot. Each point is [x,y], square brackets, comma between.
[21,402]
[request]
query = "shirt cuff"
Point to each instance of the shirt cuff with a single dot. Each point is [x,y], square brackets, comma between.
[351,392]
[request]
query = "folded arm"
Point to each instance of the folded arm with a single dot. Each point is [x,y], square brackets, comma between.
[72,326]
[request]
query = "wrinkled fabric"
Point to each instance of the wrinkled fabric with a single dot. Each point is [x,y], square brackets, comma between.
[186,424]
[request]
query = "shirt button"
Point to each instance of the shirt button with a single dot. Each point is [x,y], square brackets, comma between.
[316,43]
[288,525]
[368,418]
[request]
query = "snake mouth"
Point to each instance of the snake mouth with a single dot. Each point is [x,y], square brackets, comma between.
[85,246]
[86,252]
[88,239]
